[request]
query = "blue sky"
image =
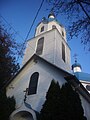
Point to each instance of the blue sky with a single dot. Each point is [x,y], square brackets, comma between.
[20,15]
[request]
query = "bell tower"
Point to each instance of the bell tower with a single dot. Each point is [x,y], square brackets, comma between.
[50,43]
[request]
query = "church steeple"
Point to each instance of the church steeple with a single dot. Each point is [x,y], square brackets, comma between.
[50,43]
[51,15]
[76,67]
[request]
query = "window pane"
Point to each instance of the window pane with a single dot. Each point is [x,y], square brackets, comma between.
[88,87]
[42,29]
[40,46]
[33,83]
[62,33]
[63,52]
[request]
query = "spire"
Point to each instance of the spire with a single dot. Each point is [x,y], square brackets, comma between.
[76,67]
[75,57]
[51,15]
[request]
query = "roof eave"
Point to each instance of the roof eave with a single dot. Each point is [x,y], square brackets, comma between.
[78,86]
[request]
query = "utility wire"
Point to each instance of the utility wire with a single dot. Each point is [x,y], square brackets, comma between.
[29,29]
[84,10]
[15,32]
[32,26]
[19,52]
[34,20]
[11,27]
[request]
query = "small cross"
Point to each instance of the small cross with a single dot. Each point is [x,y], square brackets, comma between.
[75,57]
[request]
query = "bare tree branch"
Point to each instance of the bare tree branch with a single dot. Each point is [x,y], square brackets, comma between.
[77,12]
[88,3]
[84,10]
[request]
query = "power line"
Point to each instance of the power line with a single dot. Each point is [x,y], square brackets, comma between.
[29,29]
[32,26]
[84,10]
[14,31]
[34,20]
[11,27]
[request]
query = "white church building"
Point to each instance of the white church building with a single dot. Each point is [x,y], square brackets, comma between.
[47,57]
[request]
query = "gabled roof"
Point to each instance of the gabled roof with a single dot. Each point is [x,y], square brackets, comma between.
[35,57]
[68,76]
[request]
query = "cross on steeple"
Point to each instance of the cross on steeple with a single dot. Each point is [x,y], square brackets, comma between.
[75,57]
[76,67]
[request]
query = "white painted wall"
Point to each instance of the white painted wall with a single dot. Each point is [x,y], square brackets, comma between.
[58,52]
[86,107]
[48,49]
[48,27]
[52,50]
[46,73]
[21,82]
[38,28]
[58,26]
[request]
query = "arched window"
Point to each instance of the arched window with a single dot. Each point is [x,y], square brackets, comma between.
[33,83]
[40,46]
[42,28]
[63,52]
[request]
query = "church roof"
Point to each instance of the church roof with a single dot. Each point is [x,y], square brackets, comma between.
[47,20]
[82,76]
[76,65]
[35,58]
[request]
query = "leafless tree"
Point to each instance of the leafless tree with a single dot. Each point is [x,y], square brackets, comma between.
[78,12]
